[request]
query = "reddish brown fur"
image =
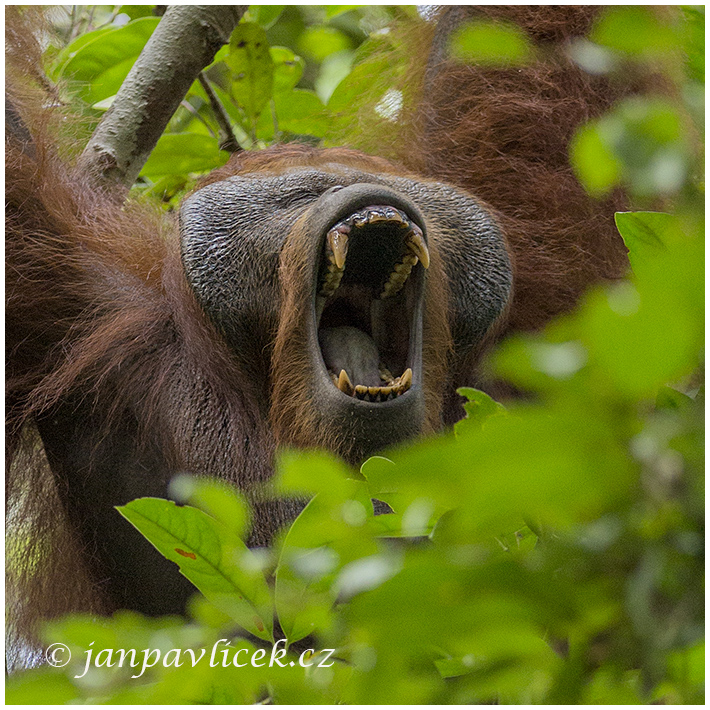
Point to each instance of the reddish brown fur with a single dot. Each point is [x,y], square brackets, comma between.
[72,335]
[504,135]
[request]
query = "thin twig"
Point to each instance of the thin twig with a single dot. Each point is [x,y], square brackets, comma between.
[227,139]
[194,112]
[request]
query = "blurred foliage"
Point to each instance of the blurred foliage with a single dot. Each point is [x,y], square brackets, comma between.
[556,548]
[493,43]
[273,79]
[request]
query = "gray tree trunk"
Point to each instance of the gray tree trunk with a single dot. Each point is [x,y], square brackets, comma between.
[183,44]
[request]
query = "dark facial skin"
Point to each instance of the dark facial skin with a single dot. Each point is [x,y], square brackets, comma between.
[234,234]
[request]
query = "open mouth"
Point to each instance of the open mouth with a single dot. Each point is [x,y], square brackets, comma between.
[368,302]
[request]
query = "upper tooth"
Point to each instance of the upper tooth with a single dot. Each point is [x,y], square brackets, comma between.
[403,268]
[389,289]
[415,242]
[338,242]
[406,379]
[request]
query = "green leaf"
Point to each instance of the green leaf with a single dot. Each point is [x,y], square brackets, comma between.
[319,42]
[640,144]
[288,69]
[334,529]
[415,514]
[265,15]
[68,52]
[647,334]
[635,30]
[594,162]
[210,556]
[302,113]
[181,153]
[491,43]
[252,68]
[332,11]
[534,464]
[479,407]
[136,11]
[356,84]
[644,234]
[41,686]
[100,65]
[333,70]
[695,41]
[377,470]
[329,533]
[215,497]
[311,472]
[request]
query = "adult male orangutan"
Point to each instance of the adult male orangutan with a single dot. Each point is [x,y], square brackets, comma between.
[316,298]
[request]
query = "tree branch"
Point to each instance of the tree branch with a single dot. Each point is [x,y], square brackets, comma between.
[184,42]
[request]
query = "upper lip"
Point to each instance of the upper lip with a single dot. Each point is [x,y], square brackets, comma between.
[368,291]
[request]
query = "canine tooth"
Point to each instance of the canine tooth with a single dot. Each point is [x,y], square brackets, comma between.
[406,379]
[415,242]
[338,242]
[343,383]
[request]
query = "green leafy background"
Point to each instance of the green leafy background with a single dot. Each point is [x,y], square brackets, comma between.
[546,552]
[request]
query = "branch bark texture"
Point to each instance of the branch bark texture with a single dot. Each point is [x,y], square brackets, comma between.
[183,44]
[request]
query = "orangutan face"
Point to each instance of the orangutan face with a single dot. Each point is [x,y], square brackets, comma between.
[363,287]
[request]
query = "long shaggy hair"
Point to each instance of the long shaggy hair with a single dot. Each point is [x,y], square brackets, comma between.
[502,134]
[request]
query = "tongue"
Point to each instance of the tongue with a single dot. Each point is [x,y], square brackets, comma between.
[351,349]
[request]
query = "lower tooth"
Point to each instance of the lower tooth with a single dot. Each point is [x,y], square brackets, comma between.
[343,383]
